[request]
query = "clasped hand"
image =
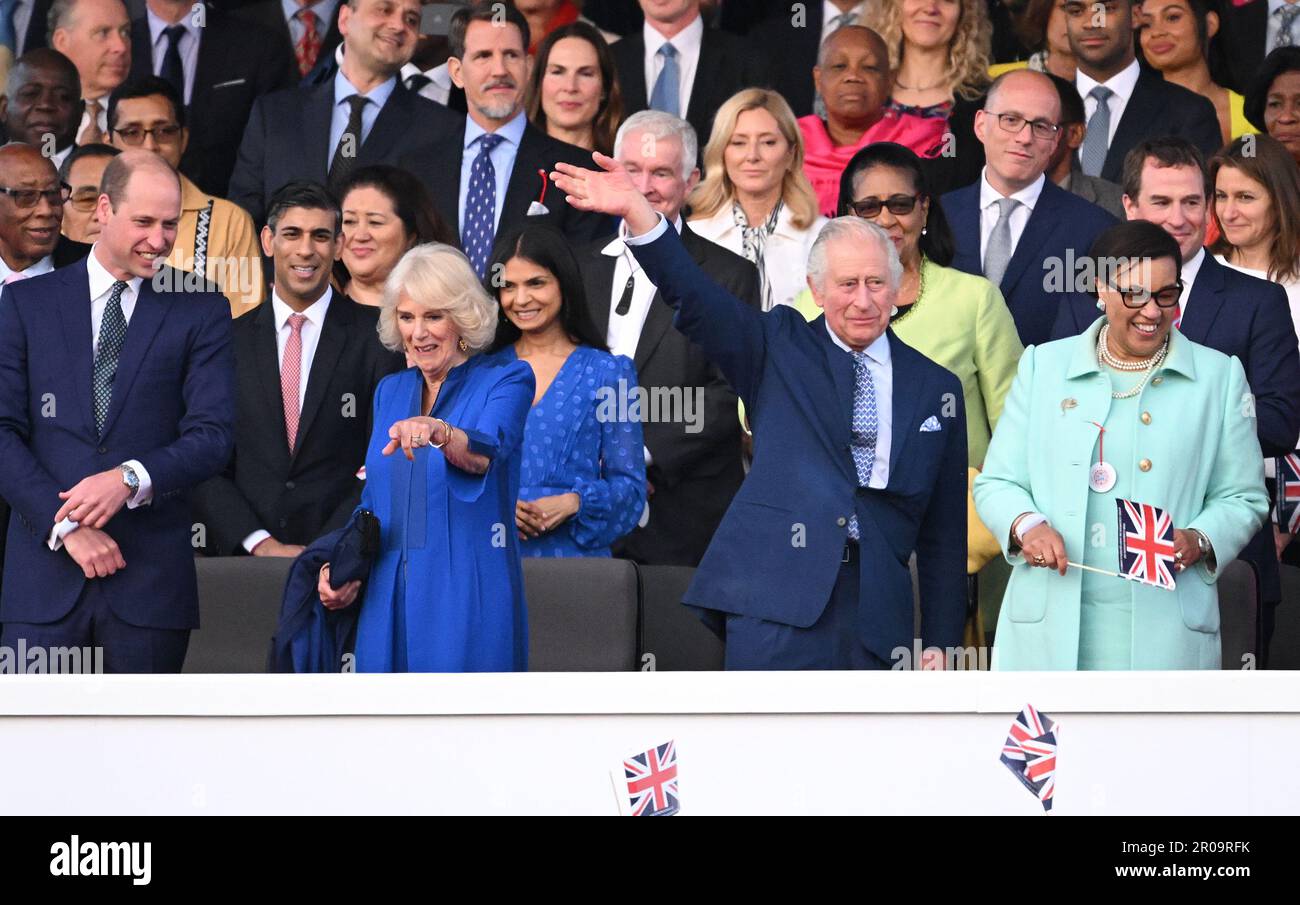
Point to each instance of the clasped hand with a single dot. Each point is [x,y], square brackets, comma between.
[1043,547]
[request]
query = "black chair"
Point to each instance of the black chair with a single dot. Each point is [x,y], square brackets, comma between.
[582,614]
[673,636]
[239,606]
[1238,614]
[1285,650]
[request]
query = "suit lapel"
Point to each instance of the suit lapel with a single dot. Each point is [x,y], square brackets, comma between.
[660,316]
[839,365]
[333,339]
[266,366]
[207,72]
[393,120]
[1041,224]
[443,176]
[150,309]
[525,184]
[601,289]
[316,121]
[706,76]
[1135,124]
[141,50]
[74,311]
[965,211]
[1204,301]
[907,390]
[635,96]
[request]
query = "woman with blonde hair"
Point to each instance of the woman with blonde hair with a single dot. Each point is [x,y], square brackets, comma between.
[756,200]
[445,591]
[939,52]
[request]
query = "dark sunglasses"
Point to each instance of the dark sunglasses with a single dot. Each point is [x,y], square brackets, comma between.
[898,205]
[25,198]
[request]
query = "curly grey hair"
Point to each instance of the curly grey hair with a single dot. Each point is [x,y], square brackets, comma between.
[439,277]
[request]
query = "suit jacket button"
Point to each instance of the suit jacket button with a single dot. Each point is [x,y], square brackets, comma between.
[841,521]
[1146,417]
[289,485]
[103,450]
[1144,465]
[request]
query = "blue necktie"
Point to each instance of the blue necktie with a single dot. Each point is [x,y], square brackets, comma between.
[667,93]
[865,426]
[481,206]
[1092,156]
[112,333]
[8,34]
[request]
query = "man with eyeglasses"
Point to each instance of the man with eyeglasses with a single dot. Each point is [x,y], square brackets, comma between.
[214,237]
[82,171]
[31,211]
[41,104]
[1014,226]
[1166,182]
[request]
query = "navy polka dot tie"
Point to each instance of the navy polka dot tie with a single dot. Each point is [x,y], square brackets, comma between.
[112,333]
[481,206]
[865,426]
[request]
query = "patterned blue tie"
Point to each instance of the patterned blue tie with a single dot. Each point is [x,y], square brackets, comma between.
[112,333]
[866,424]
[481,205]
[1092,156]
[667,93]
[8,34]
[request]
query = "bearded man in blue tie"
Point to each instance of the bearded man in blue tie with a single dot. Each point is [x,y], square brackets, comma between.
[116,397]
[859,454]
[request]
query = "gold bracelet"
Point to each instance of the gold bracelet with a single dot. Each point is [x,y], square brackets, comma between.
[446,434]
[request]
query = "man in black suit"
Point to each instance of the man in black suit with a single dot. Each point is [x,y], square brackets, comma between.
[693,464]
[1124,102]
[306,365]
[1248,32]
[490,173]
[309,32]
[219,67]
[363,115]
[1166,182]
[42,103]
[790,46]
[676,65]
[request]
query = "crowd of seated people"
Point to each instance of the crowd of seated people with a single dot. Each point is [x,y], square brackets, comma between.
[787,295]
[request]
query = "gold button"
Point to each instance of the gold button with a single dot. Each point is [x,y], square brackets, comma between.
[1146,417]
[1155,382]
[1144,465]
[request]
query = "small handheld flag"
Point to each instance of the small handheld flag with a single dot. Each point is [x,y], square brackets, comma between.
[1288,493]
[1146,544]
[1030,753]
[651,779]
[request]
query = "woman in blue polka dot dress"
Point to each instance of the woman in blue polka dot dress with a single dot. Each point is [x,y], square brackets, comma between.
[582,479]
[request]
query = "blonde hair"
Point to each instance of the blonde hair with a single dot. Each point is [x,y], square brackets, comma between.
[440,278]
[717,189]
[969,52]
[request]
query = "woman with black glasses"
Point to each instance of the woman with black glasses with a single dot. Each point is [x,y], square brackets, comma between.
[1128,450]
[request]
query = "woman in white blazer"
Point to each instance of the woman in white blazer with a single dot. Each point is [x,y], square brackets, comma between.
[755,199]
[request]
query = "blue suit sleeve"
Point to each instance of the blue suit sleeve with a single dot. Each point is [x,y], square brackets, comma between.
[941,541]
[1274,374]
[730,332]
[207,429]
[611,506]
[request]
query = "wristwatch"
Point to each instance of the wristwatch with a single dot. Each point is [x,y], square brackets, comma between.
[130,479]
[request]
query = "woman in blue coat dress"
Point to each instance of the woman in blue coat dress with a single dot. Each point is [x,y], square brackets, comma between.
[583,484]
[445,593]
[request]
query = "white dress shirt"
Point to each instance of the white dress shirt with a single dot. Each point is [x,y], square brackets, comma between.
[1028,197]
[439,88]
[785,256]
[188,47]
[101,287]
[344,89]
[310,333]
[830,12]
[502,157]
[880,364]
[44,265]
[1121,83]
[687,44]
[1188,276]
[1274,25]
[625,329]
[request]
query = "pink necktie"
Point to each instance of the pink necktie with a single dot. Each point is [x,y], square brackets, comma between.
[290,377]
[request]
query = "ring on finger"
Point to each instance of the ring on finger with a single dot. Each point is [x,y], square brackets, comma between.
[1039,559]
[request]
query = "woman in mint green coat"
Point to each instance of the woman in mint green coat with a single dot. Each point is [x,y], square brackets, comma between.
[1179,434]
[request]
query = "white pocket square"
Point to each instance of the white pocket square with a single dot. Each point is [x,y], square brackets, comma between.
[229,84]
[537,209]
[931,424]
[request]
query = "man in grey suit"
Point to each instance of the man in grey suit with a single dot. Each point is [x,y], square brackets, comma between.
[1064,168]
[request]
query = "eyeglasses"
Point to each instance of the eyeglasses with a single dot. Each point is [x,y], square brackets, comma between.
[134,135]
[84,200]
[1014,122]
[1138,296]
[898,205]
[25,198]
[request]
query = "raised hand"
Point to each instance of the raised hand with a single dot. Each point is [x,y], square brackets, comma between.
[608,190]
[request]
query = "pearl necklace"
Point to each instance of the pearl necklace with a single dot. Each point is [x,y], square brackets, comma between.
[1149,365]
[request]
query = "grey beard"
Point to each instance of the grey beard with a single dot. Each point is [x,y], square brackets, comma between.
[502,110]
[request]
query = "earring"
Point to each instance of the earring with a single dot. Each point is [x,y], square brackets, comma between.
[893,311]
[924,230]
[1101,306]
[462,345]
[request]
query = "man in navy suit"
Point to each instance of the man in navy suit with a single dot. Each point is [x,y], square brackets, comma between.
[116,397]
[1014,225]
[859,453]
[1166,182]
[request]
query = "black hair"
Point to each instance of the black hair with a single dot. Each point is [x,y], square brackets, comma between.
[496,12]
[1278,62]
[936,241]
[81,152]
[145,86]
[547,248]
[1133,239]
[305,194]
[1071,102]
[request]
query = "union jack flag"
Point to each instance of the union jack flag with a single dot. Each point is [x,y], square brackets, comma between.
[1030,753]
[652,781]
[1146,544]
[1288,493]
